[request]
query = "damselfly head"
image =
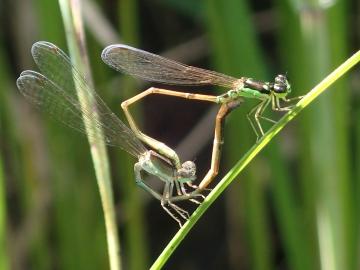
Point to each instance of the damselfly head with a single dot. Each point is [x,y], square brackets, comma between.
[281,85]
[187,173]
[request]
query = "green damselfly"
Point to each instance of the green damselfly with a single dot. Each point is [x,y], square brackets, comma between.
[155,68]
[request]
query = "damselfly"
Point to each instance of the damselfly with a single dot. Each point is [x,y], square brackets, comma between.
[54,91]
[155,68]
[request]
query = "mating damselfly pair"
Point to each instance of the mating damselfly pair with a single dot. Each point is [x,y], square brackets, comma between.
[54,91]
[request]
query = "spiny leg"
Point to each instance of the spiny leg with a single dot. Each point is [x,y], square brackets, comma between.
[277,106]
[267,119]
[249,114]
[188,196]
[293,98]
[156,145]
[258,111]
[163,205]
[184,191]
[187,193]
[195,187]
[261,111]
[194,194]
[178,209]
[181,191]
[196,201]
[258,114]
[167,195]
[183,213]
[164,199]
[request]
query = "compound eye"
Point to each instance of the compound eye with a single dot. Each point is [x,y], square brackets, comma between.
[279,88]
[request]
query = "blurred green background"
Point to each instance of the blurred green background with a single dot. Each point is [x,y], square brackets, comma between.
[295,207]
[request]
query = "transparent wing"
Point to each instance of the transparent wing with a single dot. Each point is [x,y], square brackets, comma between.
[55,93]
[155,68]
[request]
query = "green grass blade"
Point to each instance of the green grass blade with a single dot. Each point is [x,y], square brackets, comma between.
[76,42]
[251,154]
[135,229]
[4,78]
[3,234]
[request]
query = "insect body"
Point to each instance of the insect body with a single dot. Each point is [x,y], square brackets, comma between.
[155,68]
